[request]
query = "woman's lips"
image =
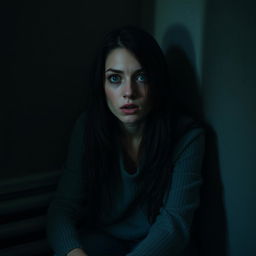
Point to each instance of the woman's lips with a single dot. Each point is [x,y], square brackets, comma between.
[129,109]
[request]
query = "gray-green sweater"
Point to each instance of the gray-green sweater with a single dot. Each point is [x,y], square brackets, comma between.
[167,236]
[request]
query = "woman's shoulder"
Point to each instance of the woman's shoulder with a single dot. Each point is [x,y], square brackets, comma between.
[185,124]
[187,130]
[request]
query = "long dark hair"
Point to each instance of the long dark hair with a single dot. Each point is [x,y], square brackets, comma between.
[102,129]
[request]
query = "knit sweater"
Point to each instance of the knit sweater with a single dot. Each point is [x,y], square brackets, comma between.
[167,236]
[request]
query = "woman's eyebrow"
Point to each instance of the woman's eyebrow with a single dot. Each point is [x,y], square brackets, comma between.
[120,71]
[139,70]
[114,70]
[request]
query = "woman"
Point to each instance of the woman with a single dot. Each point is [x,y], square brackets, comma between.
[132,178]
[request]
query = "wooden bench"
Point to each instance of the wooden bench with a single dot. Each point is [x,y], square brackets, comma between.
[23,209]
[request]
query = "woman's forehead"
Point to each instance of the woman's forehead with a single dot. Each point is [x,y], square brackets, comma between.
[123,60]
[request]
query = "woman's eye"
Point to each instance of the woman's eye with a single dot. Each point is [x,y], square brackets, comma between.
[141,78]
[114,79]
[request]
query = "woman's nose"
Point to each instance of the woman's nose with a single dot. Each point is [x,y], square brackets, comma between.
[129,89]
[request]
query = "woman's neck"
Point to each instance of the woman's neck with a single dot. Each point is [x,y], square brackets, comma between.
[131,138]
[132,132]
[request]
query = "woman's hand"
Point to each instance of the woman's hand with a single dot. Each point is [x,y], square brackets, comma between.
[77,252]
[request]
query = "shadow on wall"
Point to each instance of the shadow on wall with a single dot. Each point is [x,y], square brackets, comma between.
[209,232]
[180,56]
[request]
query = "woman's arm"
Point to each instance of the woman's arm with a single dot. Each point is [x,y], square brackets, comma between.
[170,232]
[65,209]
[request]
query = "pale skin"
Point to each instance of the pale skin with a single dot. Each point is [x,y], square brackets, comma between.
[125,82]
[77,252]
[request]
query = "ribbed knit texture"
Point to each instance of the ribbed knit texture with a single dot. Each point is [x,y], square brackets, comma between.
[169,234]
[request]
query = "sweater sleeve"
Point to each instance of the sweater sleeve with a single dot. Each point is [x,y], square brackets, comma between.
[170,232]
[65,208]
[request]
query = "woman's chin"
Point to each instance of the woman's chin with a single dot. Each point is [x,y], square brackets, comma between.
[130,120]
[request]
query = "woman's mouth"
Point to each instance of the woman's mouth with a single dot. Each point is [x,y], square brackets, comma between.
[129,109]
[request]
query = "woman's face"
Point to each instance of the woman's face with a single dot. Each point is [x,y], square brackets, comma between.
[126,87]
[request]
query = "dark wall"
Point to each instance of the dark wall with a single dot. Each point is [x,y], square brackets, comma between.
[229,93]
[215,41]
[48,51]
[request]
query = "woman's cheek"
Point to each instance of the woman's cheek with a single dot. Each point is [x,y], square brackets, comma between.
[111,96]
